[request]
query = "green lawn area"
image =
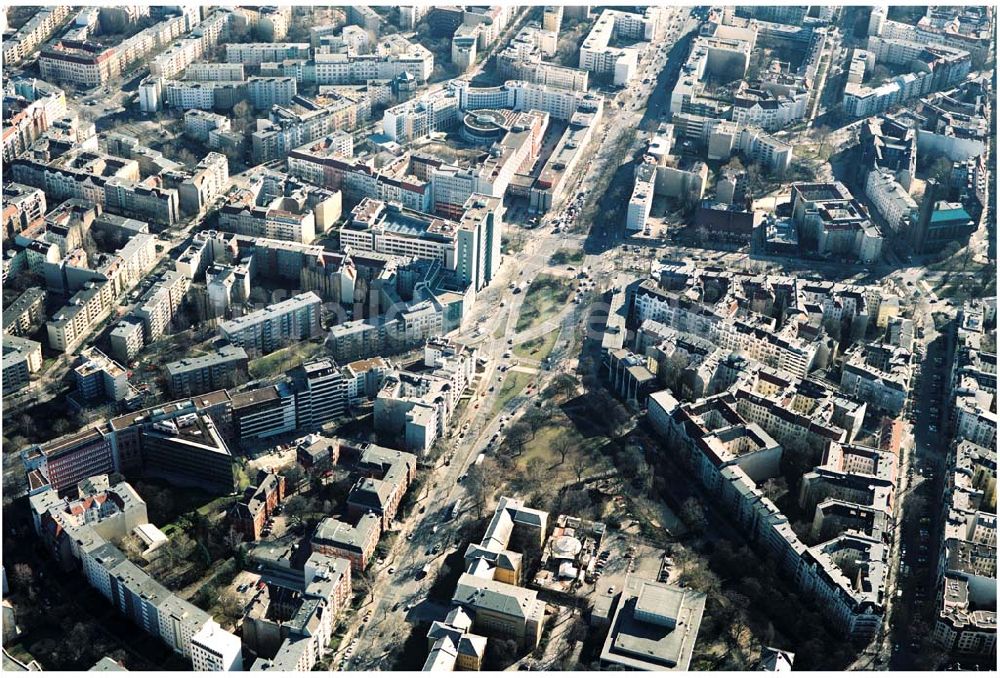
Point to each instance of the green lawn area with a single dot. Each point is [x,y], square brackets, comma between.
[187,499]
[512,385]
[541,447]
[538,348]
[565,256]
[546,296]
[284,359]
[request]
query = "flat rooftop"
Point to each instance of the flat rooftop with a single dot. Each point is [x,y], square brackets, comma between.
[654,628]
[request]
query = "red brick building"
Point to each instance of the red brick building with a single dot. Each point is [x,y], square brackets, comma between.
[258,504]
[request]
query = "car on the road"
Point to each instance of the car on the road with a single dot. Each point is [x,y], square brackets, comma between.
[611,590]
[391,570]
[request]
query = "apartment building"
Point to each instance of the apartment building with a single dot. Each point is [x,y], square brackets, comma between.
[322,164]
[31,107]
[878,374]
[127,340]
[328,274]
[724,138]
[265,92]
[387,474]
[796,412]
[21,358]
[79,62]
[552,16]
[160,303]
[205,96]
[258,504]
[707,434]
[770,108]
[287,129]
[355,543]
[831,218]
[263,413]
[286,322]
[213,649]
[891,200]
[222,368]
[210,72]
[83,527]
[256,53]
[620,64]
[469,247]
[966,621]
[412,409]
[291,629]
[419,117]
[560,165]
[290,218]
[209,180]
[720,51]
[641,201]
[98,377]
[941,67]
[140,200]
[198,124]
[36,30]
[25,312]
[112,510]
[69,326]
[763,345]
[320,388]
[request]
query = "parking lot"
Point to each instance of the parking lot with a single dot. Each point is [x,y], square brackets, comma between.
[621,556]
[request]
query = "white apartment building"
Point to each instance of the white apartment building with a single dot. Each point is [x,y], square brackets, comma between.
[290,321]
[890,199]
[72,323]
[974,420]
[266,92]
[126,341]
[768,108]
[641,202]
[158,306]
[552,17]
[791,355]
[211,72]
[526,96]
[202,95]
[213,649]
[198,123]
[597,56]
[209,180]
[33,33]
[256,53]
[885,389]
[417,118]
[464,45]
